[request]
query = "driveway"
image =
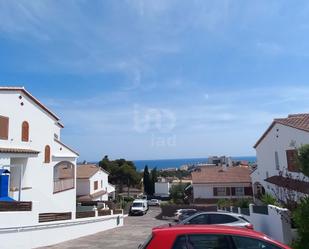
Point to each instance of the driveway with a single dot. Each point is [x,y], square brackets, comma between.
[134,232]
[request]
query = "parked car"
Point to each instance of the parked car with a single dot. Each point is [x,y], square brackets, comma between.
[217,218]
[153,202]
[208,237]
[186,214]
[139,207]
[182,211]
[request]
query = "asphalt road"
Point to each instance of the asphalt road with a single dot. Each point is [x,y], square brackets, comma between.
[134,232]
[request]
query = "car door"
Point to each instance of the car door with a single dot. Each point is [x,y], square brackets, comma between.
[221,219]
[202,241]
[198,219]
[251,243]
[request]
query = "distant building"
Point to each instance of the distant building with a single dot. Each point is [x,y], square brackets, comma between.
[92,184]
[221,182]
[162,189]
[220,160]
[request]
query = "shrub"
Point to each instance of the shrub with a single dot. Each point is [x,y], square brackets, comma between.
[301,219]
[177,193]
[222,203]
[303,159]
[242,203]
[268,199]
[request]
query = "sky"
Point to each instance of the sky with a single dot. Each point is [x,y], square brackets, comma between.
[157,79]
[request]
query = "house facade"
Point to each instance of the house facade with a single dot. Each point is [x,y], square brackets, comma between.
[221,182]
[92,184]
[277,172]
[41,168]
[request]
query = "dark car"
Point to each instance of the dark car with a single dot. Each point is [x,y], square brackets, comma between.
[186,214]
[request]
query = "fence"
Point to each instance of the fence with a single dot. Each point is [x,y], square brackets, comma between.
[15,206]
[271,220]
[47,217]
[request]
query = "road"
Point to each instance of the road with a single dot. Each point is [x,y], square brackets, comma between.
[134,232]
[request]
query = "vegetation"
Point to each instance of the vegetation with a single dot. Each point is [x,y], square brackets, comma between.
[149,180]
[224,203]
[268,199]
[177,173]
[122,172]
[303,159]
[243,203]
[301,219]
[177,193]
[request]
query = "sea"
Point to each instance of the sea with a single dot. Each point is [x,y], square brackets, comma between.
[176,163]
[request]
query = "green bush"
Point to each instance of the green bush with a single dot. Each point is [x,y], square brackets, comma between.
[242,203]
[222,203]
[303,159]
[268,199]
[301,219]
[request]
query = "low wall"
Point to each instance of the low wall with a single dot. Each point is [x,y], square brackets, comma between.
[271,220]
[25,237]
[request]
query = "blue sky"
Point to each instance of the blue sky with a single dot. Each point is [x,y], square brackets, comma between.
[159,79]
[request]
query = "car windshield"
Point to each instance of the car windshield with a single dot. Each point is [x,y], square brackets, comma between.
[137,204]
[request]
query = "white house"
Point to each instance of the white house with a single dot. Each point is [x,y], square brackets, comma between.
[211,183]
[92,183]
[276,170]
[38,178]
[42,168]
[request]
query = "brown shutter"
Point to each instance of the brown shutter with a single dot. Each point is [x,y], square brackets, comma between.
[25,132]
[215,191]
[248,191]
[228,191]
[47,154]
[4,128]
[233,191]
[291,156]
[96,185]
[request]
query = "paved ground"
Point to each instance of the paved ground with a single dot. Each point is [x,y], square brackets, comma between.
[134,232]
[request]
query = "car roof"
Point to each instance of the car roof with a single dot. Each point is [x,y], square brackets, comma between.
[221,212]
[221,229]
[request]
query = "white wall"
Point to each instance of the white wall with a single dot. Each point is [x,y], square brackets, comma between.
[265,152]
[162,188]
[48,234]
[205,191]
[37,175]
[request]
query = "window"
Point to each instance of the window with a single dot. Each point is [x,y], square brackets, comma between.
[4,128]
[221,191]
[96,185]
[25,131]
[239,191]
[291,156]
[101,183]
[64,176]
[277,160]
[221,219]
[47,154]
[200,219]
[245,243]
[203,241]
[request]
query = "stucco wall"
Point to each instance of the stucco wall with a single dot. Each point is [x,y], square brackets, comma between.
[278,139]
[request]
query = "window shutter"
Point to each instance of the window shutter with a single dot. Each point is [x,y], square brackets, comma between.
[25,132]
[215,191]
[228,191]
[95,185]
[4,128]
[248,191]
[291,156]
[47,154]
[233,191]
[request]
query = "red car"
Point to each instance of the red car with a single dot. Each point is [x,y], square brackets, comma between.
[208,237]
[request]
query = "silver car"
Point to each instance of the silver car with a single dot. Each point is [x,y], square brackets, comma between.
[217,218]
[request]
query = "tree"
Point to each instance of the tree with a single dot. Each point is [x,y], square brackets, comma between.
[303,159]
[153,180]
[122,172]
[177,193]
[146,180]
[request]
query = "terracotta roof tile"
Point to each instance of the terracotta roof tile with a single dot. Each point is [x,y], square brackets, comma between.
[85,171]
[297,121]
[215,174]
[293,184]
[19,151]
